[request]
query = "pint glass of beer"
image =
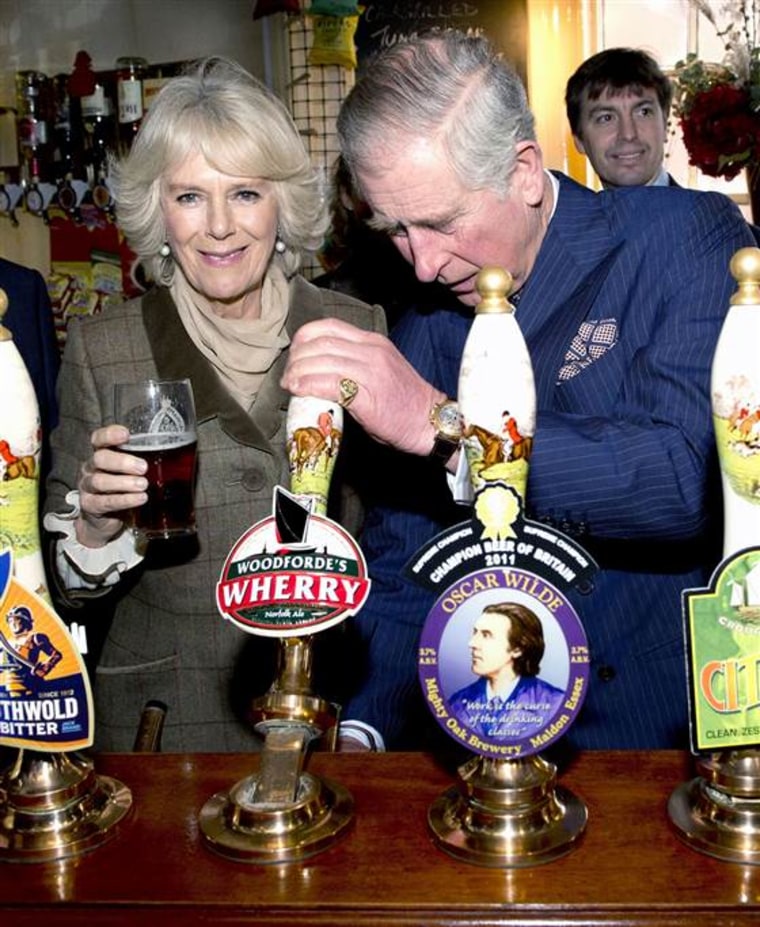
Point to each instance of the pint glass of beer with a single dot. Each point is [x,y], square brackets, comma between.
[160,416]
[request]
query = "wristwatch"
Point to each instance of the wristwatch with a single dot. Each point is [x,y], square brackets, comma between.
[446,418]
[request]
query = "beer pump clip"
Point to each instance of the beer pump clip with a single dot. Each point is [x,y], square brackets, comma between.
[718,812]
[52,803]
[289,576]
[505,809]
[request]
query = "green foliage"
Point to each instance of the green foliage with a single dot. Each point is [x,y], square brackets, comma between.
[692,76]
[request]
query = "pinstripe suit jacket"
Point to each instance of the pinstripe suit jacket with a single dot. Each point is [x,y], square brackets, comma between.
[166,640]
[623,458]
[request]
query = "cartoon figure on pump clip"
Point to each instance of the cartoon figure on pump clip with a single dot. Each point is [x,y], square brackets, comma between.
[27,656]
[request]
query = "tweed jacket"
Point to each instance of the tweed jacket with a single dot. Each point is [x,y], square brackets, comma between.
[166,640]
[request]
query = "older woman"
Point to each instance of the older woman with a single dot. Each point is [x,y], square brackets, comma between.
[217,198]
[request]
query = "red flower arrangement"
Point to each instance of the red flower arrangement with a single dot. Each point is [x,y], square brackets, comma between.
[720,132]
[718,105]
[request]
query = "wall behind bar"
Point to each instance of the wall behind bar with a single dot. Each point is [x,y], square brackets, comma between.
[45,35]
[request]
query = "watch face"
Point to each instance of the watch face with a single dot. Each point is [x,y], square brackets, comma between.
[449,419]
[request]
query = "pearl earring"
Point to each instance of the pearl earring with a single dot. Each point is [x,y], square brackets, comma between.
[279,246]
[165,250]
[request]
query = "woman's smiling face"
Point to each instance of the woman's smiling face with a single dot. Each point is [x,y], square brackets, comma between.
[222,231]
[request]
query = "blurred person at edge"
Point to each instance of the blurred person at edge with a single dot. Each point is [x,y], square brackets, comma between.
[618,104]
[217,198]
[620,296]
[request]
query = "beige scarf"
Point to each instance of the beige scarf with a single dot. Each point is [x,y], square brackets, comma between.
[240,350]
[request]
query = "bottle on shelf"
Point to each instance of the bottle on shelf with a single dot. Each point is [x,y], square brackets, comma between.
[99,127]
[68,149]
[155,78]
[68,131]
[100,140]
[34,138]
[33,120]
[130,74]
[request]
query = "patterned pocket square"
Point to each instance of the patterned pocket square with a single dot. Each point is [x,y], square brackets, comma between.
[594,338]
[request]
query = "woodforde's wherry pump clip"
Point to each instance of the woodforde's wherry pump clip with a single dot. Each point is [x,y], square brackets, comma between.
[287,577]
[718,812]
[52,803]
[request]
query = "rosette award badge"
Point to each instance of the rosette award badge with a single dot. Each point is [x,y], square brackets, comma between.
[503,659]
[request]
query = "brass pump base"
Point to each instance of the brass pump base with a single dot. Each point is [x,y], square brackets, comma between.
[507,813]
[280,814]
[718,813]
[238,827]
[53,805]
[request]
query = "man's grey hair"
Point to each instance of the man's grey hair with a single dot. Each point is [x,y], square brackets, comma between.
[446,86]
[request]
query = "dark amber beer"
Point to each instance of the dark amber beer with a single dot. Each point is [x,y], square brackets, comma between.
[160,416]
[170,509]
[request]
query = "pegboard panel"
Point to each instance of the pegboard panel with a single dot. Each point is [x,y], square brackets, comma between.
[315,95]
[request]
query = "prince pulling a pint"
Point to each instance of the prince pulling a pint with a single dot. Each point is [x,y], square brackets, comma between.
[620,296]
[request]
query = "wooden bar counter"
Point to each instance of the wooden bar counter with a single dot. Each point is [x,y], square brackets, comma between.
[628,869]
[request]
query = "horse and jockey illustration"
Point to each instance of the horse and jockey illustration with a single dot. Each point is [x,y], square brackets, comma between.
[13,465]
[311,444]
[509,446]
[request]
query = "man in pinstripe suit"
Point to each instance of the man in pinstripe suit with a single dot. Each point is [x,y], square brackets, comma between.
[617,103]
[620,296]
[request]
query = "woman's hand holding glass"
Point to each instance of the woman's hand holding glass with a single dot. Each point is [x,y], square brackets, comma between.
[111,482]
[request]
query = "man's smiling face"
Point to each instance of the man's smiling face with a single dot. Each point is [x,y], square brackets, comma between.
[623,135]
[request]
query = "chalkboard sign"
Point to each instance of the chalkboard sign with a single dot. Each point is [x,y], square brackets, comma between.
[386,22]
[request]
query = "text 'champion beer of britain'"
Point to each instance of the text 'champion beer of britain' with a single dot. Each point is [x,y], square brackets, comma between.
[160,415]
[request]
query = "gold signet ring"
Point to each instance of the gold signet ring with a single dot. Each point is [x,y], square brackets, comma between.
[348,390]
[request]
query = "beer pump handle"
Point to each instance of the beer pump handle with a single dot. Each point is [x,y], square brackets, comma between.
[314,430]
[735,395]
[497,396]
[20,450]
